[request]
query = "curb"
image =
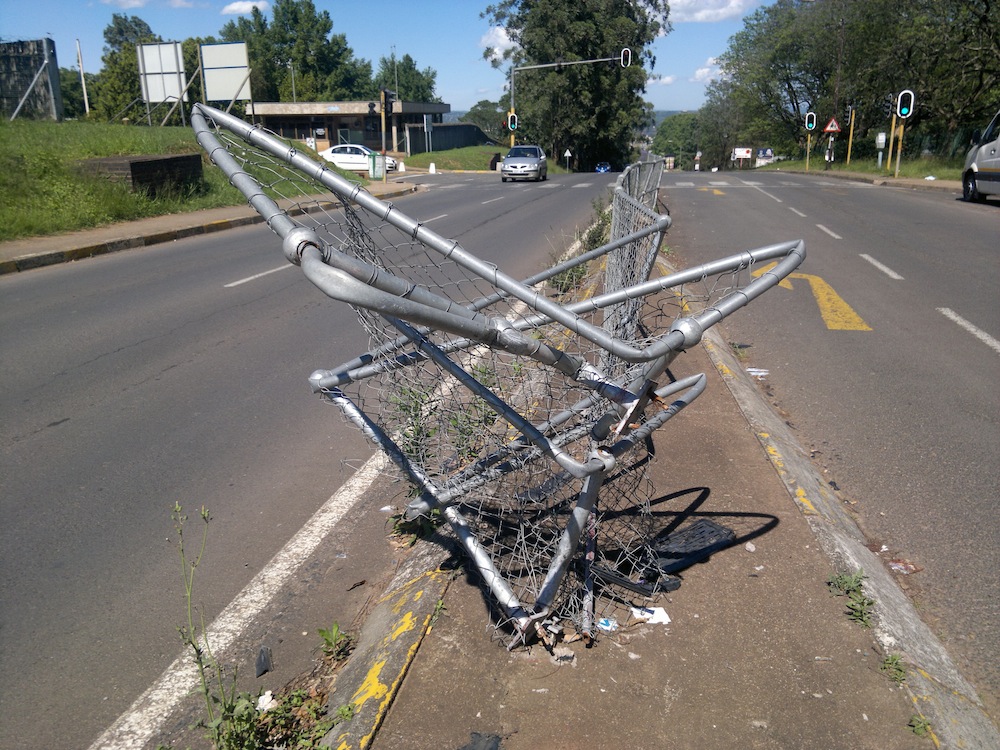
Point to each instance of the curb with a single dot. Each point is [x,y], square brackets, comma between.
[388,643]
[31,261]
[934,683]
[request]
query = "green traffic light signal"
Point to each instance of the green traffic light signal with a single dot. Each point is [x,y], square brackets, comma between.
[810,120]
[904,103]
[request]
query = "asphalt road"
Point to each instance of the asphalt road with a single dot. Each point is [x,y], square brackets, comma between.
[179,374]
[895,393]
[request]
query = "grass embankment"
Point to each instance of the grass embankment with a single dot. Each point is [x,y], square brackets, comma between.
[43,191]
[909,168]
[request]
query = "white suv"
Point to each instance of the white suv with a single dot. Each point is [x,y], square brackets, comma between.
[981,174]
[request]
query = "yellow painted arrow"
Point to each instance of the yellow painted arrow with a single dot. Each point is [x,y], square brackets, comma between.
[837,314]
[715,191]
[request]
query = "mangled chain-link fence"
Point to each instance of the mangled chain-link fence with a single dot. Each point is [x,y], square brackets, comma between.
[524,423]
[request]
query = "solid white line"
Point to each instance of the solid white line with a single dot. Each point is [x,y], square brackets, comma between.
[491,200]
[146,717]
[257,276]
[830,232]
[428,221]
[755,186]
[977,332]
[883,268]
[796,211]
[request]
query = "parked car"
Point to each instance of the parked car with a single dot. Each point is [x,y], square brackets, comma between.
[602,166]
[524,163]
[353,158]
[981,173]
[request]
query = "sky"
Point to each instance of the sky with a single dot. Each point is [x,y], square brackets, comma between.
[446,35]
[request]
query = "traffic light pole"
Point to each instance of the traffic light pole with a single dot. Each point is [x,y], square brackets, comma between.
[899,146]
[809,140]
[624,57]
[892,138]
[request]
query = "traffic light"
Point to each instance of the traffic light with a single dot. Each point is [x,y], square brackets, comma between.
[626,57]
[904,103]
[810,120]
[388,97]
[511,121]
[887,104]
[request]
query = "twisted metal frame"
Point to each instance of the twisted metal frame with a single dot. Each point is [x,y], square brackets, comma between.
[507,412]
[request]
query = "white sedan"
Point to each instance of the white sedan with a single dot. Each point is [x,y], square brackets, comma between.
[353,158]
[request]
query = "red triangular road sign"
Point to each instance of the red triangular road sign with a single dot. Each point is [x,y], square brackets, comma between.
[832,126]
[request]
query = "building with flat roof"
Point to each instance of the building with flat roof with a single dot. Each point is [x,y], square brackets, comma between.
[330,123]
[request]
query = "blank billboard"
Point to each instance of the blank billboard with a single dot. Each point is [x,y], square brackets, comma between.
[161,71]
[226,68]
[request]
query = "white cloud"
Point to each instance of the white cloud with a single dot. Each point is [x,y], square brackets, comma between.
[181,4]
[661,80]
[497,40]
[125,4]
[710,71]
[242,7]
[709,11]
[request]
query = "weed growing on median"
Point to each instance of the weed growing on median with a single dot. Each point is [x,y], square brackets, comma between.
[859,605]
[892,667]
[920,725]
[337,644]
[235,720]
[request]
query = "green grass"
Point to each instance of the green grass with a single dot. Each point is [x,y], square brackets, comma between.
[910,168]
[42,190]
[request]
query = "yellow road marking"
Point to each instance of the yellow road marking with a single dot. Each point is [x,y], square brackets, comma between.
[836,313]
[715,191]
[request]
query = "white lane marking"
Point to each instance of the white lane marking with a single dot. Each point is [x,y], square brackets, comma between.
[428,221]
[756,186]
[719,183]
[491,200]
[830,232]
[257,276]
[977,332]
[147,715]
[583,185]
[797,212]
[883,268]
[684,184]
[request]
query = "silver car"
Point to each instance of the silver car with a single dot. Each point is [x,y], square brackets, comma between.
[981,174]
[524,163]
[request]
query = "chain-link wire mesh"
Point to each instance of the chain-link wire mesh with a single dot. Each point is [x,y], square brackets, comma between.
[525,424]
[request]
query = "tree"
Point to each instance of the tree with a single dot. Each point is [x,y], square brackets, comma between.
[117,91]
[413,85]
[489,116]
[794,56]
[296,55]
[678,135]
[593,110]
[71,89]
